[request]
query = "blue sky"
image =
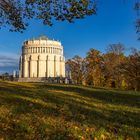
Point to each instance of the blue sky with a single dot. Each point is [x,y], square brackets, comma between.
[114,22]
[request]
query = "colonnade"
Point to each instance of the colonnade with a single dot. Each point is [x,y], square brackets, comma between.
[50,50]
[42,57]
[42,68]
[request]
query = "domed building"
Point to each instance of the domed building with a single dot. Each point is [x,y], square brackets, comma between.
[42,57]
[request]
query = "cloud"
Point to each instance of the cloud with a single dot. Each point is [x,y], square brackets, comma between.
[8,59]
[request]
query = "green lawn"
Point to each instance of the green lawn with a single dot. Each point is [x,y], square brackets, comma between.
[41,111]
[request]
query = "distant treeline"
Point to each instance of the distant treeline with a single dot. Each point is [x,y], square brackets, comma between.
[112,69]
[6,76]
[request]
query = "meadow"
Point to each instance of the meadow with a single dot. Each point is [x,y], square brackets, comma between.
[40,111]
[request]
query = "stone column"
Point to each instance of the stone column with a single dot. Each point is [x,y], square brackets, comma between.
[47,66]
[60,67]
[38,66]
[30,61]
[54,66]
[20,68]
[25,67]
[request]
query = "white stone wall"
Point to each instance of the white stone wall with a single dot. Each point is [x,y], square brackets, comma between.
[42,58]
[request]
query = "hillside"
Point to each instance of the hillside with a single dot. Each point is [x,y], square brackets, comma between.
[40,111]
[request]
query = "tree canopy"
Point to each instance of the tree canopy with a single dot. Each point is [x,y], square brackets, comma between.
[16,12]
[137,8]
[111,69]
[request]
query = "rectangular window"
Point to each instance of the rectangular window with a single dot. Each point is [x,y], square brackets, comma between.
[43,50]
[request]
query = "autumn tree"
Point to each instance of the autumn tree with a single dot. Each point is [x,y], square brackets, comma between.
[112,60]
[76,67]
[131,70]
[16,12]
[94,65]
[112,69]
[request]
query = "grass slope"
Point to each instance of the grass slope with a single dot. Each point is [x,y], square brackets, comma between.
[43,111]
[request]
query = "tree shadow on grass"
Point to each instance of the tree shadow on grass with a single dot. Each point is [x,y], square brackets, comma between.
[113,97]
[63,99]
[69,107]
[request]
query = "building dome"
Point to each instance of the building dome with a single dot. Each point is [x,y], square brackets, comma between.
[42,57]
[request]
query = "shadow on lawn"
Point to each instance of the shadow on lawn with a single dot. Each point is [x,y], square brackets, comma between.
[113,97]
[67,107]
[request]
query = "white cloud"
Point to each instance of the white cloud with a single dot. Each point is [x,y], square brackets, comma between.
[8,59]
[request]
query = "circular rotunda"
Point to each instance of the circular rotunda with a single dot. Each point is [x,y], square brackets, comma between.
[42,57]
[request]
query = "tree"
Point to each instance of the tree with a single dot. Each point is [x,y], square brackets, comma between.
[5,76]
[16,12]
[94,67]
[76,66]
[112,60]
[112,69]
[137,8]
[117,48]
[131,70]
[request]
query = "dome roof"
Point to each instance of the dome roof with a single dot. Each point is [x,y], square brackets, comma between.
[42,38]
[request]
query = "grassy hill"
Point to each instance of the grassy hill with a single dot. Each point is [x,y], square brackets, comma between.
[41,111]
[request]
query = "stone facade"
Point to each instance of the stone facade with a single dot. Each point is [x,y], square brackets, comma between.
[42,57]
